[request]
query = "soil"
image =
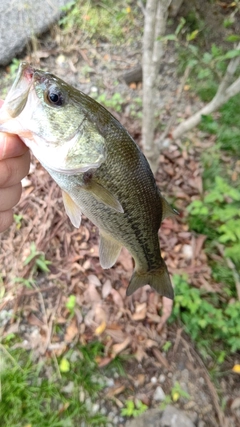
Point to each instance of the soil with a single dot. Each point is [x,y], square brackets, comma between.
[125,325]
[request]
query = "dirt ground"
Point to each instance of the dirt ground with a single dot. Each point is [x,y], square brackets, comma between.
[125,325]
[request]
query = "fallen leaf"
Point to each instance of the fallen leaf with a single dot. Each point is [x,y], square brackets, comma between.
[71,331]
[159,356]
[117,298]
[236,369]
[117,348]
[106,289]
[114,391]
[101,328]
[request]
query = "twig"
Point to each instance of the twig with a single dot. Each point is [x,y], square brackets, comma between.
[224,93]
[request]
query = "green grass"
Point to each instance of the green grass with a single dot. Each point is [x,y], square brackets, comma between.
[105,21]
[35,395]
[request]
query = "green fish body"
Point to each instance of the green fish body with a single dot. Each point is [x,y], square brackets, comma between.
[101,170]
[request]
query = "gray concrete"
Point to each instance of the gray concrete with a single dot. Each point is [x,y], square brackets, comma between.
[21,19]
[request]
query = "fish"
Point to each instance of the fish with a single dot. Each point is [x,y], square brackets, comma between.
[102,172]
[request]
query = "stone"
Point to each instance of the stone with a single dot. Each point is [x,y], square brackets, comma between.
[21,20]
[159,394]
[170,417]
[173,417]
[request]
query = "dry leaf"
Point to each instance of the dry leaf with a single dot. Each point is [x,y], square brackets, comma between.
[101,328]
[71,332]
[140,313]
[106,289]
[159,356]
[94,280]
[166,312]
[117,348]
[117,298]
[114,391]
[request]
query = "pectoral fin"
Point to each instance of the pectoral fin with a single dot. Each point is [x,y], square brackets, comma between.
[104,196]
[109,250]
[72,210]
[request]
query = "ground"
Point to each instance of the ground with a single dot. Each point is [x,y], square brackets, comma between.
[133,325]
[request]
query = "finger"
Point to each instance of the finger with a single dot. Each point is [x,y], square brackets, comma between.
[1,102]
[11,146]
[14,169]
[10,196]
[6,219]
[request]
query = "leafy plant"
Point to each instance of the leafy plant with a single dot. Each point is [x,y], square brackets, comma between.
[115,102]
[210,321]
[133,409]
[71,304]
[176,393]
[40,262]
[220,208]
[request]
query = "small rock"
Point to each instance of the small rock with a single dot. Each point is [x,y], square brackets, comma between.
[95,408]
[162,378]
[81,395]
[69,387]
[109,382]
[170,417]
[201,424]
[159,394]
[173,417]
[153,380]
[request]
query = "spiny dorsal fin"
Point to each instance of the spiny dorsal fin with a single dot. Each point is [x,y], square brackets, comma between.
[109,250]
[72,210]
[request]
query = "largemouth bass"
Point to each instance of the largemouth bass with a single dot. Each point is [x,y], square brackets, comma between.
[100,169]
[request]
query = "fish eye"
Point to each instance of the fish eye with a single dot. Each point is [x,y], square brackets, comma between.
[55,97]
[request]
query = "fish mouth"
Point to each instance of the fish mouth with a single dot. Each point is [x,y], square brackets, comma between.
[17,96]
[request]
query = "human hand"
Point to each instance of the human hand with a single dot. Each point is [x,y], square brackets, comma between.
[14,166]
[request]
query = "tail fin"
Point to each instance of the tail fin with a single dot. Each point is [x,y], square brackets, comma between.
[159,280]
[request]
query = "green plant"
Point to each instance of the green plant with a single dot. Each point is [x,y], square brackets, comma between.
[220,210]
[105,20]
[115,102]
[133,409]
[210,321]
[14,66]
[18,220]
[26,282]
[33,394]
[176,393]
[40,262]
[71,304]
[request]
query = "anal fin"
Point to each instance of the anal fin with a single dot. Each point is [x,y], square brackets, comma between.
[72,210]
[109,250]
